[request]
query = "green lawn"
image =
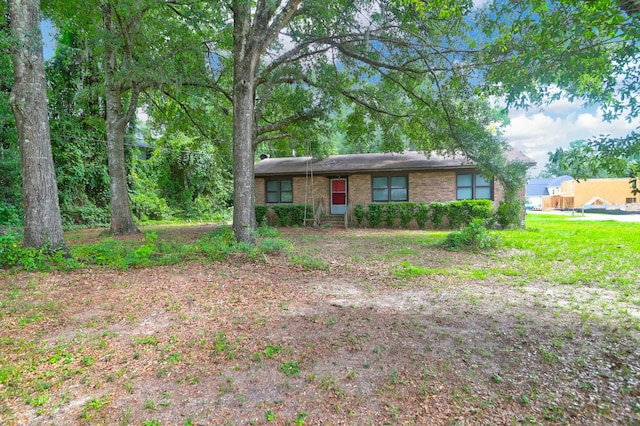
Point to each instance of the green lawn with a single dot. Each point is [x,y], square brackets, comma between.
[565,251]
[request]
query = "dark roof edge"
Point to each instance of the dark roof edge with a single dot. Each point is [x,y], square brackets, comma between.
[363,171]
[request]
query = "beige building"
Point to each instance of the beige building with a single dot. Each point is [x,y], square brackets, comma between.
[337,184]
[592,193]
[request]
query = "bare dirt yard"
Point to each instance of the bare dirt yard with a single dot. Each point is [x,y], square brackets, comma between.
[269,341]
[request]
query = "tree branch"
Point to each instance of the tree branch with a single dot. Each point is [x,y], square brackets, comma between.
[259,140]
[271,33]
[281,124]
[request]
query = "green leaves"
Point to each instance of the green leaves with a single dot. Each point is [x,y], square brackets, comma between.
[580,47]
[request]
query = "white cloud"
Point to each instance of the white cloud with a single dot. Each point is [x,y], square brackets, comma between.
[539,131]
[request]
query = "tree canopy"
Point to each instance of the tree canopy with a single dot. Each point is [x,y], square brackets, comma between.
[225,80]
[406,72]
[539,51]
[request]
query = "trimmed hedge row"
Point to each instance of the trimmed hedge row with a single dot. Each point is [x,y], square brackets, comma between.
[459,213]
[288,215]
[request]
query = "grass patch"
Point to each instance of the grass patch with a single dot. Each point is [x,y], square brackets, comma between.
[308,262]
[407,270]
[291,368]
[125,253]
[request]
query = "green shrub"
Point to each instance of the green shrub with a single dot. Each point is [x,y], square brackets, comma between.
[456,213]
[438,212]
[269,245]
[149,206]
[375,214]
[265,230]
[508,213]
[481,209]
[406,212]
[390,214]
[282,214]
[473,237]
[359,213]
[292,214]
[218,244]
[461,212]
[206,208]
[12,253]
[10,248]
[142,255]
[261,214]
[88,215]
[10,215]
[422,215]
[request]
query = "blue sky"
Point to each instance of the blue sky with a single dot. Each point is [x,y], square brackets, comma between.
[539,130]
[48,35]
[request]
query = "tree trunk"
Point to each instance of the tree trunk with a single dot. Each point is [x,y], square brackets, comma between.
[244,74]
[42,221]
[243,153]
[249,42]
[121,217]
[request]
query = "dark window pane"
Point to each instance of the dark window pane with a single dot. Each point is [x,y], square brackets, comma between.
[399,182]
[465,180]
[285,185]
[272,197]
[286,197]
[380,195]
[399,194]
[480,181]
[380,182]
[483,193]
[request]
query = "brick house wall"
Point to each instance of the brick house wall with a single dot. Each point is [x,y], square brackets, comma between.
[302,190]
[427,186]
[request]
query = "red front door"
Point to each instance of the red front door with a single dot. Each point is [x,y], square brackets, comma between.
[338,196]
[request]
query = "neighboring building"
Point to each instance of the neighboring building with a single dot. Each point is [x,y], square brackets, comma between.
[537,189]
[338,183]
[593,193]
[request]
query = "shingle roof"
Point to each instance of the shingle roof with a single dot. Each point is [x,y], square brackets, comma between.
[538,187]
[558,181]
[360,163]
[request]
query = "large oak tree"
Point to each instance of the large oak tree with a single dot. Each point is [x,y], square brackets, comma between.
[408,69]
[42,222]
[140,45]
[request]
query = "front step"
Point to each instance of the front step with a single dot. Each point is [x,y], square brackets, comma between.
[333,221]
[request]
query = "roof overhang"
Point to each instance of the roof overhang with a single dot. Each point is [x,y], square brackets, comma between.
[369,163]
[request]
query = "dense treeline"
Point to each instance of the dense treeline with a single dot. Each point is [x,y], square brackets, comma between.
[178,175]
[216,82]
